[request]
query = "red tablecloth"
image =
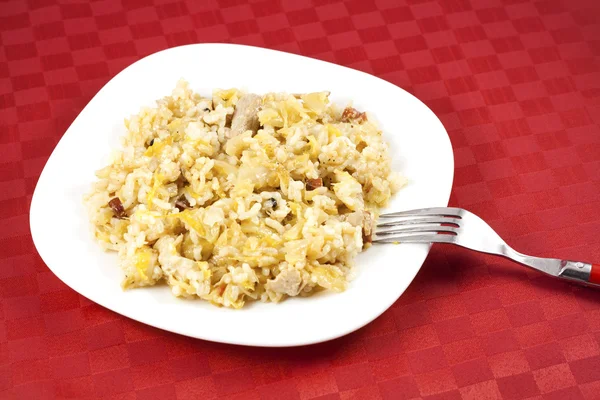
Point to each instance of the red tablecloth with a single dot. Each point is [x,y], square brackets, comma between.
[516,84]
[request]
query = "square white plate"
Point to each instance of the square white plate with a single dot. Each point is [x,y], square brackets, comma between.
[420,149]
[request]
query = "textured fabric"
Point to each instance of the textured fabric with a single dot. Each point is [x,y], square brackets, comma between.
[516,84]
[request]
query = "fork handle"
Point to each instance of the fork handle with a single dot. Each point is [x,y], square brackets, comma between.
[581,272]
[595,274]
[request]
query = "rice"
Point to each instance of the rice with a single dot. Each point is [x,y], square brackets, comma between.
[242,197]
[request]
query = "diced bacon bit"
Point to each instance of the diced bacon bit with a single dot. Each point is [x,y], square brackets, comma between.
[352,114]
[312,184]
[367,228]
[117,207]
[182,203]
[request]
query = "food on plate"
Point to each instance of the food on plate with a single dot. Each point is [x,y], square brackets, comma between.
[241,196]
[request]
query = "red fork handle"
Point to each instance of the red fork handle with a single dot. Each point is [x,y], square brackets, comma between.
[595,274]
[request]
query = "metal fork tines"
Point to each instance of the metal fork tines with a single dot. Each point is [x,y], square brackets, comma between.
[463,228]
[424,225]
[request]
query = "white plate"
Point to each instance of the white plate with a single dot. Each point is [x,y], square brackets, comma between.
[421,150]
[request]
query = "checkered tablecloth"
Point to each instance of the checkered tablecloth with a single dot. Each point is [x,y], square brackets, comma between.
[516,84]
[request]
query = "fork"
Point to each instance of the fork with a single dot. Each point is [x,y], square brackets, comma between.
[463,228]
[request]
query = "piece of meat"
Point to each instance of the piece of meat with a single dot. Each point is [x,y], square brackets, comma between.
[182,203]
[117,207]
[286,282]
[364,219]
[312,184]
[367,228]
[352,114]
[355,218]
[245,116]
